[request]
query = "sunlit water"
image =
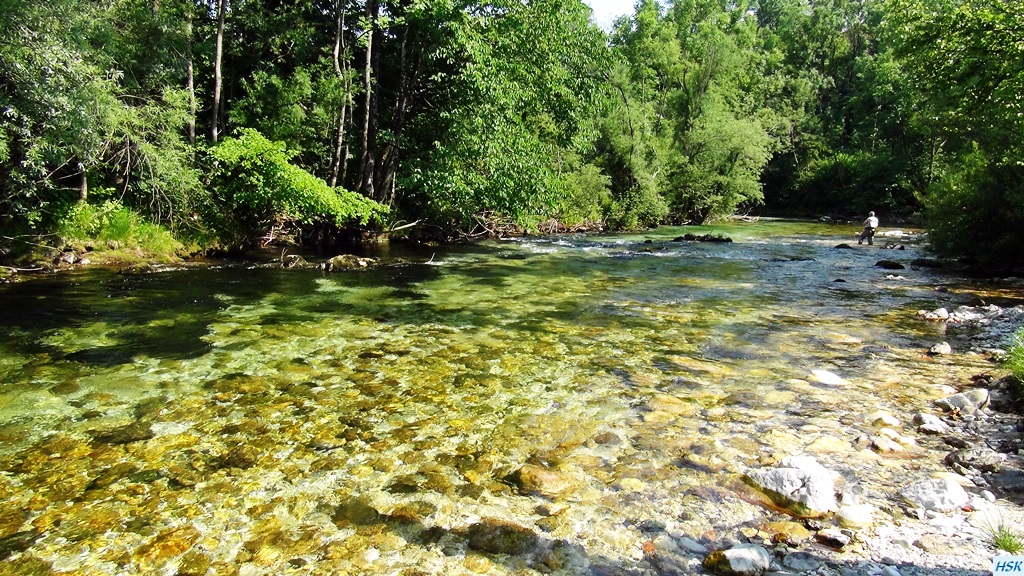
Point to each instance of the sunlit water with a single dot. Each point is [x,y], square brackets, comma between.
[254,420]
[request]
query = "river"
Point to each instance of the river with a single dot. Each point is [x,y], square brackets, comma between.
[524,406]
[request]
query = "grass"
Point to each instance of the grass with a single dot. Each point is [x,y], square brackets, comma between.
[1014,361]
[116,232]
[1006,539]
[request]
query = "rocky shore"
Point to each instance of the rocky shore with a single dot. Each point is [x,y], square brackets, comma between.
[941,525]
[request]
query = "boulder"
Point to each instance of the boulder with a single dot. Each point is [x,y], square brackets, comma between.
[741,560]
[941,349]
[938,494]
[800,485]
[890,265]
[348,262]
[981,459]
[969,402]
[856,515]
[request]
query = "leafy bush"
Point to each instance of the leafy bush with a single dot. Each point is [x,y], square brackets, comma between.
[256,184]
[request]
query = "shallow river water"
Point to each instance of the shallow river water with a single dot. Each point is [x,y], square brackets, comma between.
[534,405]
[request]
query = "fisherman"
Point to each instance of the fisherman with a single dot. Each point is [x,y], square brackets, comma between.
[870,223]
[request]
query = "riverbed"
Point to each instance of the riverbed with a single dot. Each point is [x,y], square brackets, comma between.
[521,406]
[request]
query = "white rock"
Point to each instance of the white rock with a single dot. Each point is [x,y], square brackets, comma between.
[827,378]
[856,515]
[942,494]
[741,560]
[940,349]
[930,424]
[808,491]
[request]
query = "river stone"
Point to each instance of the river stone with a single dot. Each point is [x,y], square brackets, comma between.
[939,494]
[882,418]
[801,562]
[979,458]
[856,515]
[832,538]
[741,560]
[930,424]
[968,402]
[347,262]
[787,532]
[500,537]
[827,378]
[941,349]
[890,265]
[800,485]
[539,480]
[691,545]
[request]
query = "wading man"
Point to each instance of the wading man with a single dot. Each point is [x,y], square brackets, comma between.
[870,223]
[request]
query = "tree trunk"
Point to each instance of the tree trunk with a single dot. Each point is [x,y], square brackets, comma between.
[190,83]
[367,170]
[83,191]
[217,72]
[342,71]
[408,68]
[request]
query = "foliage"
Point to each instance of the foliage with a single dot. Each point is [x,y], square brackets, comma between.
[257,184]
[967,59]
[687,111]
[115,226]
[1014,361]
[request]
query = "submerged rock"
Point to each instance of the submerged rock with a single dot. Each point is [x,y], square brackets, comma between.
[531,479]
[348,262]
[890,265]
[827,378]
[500,537]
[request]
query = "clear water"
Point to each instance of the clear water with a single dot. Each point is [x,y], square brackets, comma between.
[255,420]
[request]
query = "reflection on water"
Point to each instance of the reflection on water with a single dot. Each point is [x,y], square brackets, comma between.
[523,406]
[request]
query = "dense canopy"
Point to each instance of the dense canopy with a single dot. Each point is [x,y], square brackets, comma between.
[222,121]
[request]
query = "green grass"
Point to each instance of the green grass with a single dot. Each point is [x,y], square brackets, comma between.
[1006,539]
[112,227]
[1014,361]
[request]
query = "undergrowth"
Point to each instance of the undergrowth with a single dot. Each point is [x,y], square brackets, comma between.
[111,226]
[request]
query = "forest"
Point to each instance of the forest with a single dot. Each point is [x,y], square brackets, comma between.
[198,125]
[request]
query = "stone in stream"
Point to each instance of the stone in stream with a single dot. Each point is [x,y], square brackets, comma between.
[799,485]
[741,560]
[827,378]
[890,265]
[941,349]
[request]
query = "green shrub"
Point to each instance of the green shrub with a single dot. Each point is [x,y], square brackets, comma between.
[256,184]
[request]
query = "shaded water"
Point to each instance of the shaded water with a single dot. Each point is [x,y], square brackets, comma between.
[254,420]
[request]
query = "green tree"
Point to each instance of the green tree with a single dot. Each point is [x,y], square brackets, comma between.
[967,60]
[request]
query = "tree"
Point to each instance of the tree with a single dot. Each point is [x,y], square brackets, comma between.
[967,60]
